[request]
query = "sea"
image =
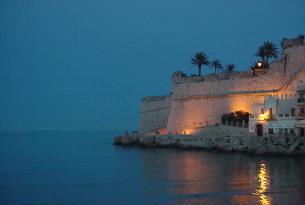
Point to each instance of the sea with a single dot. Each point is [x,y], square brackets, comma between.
[56,167]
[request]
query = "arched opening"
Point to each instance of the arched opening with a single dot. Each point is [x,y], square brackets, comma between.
[259,129]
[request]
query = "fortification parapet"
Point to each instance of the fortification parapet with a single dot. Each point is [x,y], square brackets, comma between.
[154,113]
[181,78]
[245,82]
[211,77]
[154,98]
[287,43]
[178,77]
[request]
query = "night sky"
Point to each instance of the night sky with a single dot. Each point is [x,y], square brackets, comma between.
[76,64]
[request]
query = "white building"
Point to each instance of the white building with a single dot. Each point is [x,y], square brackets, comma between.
[274,116]
[279,115]
[300,125]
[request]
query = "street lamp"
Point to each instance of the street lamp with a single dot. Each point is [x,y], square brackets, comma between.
[259,64]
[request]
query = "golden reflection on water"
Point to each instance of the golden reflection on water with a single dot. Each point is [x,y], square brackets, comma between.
[189,173]
[263,185]
[204,177]
[240,179]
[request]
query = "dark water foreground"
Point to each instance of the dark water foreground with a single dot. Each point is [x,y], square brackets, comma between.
[83,167]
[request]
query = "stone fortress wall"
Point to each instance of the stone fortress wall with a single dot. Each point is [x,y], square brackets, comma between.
[198,102]
[154,113]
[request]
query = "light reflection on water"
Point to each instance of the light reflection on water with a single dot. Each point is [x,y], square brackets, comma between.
[74,167]
[263,179]
[224,178]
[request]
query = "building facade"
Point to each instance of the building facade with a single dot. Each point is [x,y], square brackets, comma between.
[274,116]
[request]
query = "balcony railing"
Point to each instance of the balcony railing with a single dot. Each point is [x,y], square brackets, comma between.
[286,115]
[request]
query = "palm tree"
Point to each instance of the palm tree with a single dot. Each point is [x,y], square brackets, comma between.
[199,59]
[267,50]
[230,68]
[261,53]
[253,67]
[216,64]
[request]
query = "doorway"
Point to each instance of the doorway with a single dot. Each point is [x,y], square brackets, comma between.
[302,132]
[259,130]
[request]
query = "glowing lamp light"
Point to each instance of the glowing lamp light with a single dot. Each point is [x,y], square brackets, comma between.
[259,64]
[188,131]
[264,116]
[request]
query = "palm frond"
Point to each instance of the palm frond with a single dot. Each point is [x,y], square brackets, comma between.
[199,59]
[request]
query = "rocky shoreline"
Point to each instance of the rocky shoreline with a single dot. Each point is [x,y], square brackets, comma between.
[220,138]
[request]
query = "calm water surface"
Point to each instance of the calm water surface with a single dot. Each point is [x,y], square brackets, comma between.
[83,167]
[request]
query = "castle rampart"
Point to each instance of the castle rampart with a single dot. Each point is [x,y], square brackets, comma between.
[197,102]
[287,43]
[154,113]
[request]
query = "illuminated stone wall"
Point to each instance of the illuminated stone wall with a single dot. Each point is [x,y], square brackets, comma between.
[200,101]
[154,113]
[190,114]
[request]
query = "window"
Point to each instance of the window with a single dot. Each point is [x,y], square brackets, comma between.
[292,111]
[281,130]
[286,131]
[270,131]
[262,111]
[302,110]
[270,112]
[302,132]
[286,115]
[291,130]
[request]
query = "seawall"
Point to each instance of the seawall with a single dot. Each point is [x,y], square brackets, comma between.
[220,138]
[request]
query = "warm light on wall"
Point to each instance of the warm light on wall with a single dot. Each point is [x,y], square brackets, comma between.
[162,131]
[243,103]
[264,116]
[188,131]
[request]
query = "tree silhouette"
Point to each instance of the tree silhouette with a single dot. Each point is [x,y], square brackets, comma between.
[230,67]
[216,64]
[199,59]
[266,51]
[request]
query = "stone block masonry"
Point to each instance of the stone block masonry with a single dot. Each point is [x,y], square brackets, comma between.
[154,113]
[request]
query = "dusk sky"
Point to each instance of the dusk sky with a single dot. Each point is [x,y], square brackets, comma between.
[76,64]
